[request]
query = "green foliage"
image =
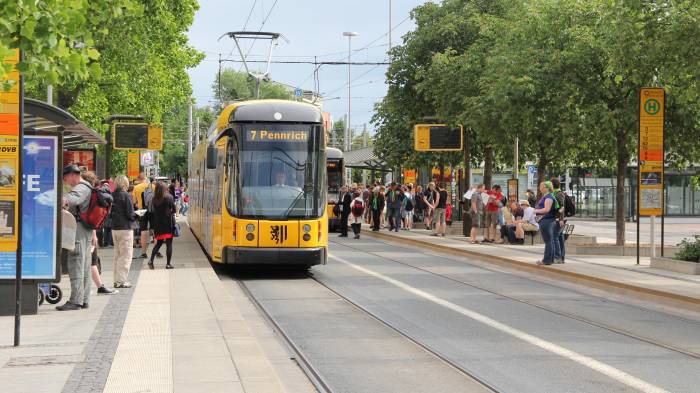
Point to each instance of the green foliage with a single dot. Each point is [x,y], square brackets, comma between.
[690,250]
[237,85]
[60,38]
[134,57]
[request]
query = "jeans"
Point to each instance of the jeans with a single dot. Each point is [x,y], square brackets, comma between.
[394,215]
[559,247]
[548,230]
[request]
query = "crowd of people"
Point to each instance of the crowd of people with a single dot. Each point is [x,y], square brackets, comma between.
[138,214]
[394,207]
[397,207]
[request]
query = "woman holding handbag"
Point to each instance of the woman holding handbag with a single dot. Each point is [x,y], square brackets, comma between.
[161,212]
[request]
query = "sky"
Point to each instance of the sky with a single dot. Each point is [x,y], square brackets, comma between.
[313,28]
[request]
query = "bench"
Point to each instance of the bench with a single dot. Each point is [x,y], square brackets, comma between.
[568,230]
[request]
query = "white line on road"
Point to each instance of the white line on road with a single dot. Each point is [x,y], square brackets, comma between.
[583,360]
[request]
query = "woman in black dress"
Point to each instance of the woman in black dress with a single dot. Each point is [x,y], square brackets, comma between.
[162,218]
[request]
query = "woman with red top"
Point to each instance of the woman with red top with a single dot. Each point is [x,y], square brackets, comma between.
[162,219]
[493,208]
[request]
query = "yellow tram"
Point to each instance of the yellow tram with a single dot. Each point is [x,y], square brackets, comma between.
[258,186]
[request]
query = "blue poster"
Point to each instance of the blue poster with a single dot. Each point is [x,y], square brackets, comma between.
[39,211]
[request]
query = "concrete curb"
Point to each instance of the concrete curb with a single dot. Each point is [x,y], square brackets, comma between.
[686,302]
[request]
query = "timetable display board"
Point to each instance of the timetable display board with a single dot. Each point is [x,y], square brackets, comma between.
[137,136]
[438,137]
[651,152]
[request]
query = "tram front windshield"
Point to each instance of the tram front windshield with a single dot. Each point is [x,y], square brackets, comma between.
[333,168]
[279,167]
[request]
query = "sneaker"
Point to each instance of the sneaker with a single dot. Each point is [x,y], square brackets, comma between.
[85,306]
[356,237]
[159,255]
[144,256]
[68,306]
[558,260]
[122,285]
[103,290]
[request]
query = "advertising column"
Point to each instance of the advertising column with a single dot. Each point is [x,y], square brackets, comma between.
[9,160]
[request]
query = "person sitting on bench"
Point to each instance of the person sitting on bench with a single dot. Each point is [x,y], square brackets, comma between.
[526,224]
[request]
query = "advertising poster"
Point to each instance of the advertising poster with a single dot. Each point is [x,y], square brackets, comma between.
[39,211]
[83,158]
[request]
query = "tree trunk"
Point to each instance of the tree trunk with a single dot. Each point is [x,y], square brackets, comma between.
[623,157]
[488,166]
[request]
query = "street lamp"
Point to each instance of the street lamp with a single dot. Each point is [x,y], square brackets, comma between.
[348,34]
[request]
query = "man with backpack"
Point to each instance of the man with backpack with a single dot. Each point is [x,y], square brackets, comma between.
[80,259]
[559,238]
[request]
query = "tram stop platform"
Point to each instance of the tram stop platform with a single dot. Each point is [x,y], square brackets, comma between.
[617,275]
[180,330]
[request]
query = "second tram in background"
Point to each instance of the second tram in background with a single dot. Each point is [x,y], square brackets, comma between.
[335,172]
[258,186]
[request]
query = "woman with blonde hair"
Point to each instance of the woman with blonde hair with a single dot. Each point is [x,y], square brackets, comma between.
[123,219]
[546,209]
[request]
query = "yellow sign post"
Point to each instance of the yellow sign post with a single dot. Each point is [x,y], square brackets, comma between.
[10,177]
[650,161]
[133,161]
[651,152]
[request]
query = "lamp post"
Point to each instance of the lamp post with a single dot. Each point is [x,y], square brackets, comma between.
[348,143]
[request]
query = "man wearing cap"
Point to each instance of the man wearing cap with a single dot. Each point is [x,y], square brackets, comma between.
[528,222]
[79,260]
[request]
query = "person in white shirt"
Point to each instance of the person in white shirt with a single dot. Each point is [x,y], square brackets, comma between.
[528,222]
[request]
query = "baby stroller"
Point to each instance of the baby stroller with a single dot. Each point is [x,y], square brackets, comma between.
[50,293]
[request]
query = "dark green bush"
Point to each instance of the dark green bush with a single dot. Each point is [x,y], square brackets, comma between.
[690,250]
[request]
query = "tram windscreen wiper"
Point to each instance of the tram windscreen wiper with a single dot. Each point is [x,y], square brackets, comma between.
[294,203]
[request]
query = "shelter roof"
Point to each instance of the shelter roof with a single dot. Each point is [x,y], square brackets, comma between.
[363,158]
[40,116]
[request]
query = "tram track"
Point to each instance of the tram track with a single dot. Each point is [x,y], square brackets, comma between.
[321,385]
[551,310]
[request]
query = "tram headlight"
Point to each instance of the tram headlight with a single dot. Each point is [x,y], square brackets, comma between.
[306,228]
[250,228]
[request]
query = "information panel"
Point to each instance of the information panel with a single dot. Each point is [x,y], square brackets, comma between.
[437,137]
[137,136]
[651,152]
[40,201]
[9,156]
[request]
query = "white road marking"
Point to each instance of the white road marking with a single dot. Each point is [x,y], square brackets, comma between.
[583,360]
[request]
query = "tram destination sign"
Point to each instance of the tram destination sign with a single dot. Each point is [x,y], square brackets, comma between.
[276,136]
[137,136]
[438,137]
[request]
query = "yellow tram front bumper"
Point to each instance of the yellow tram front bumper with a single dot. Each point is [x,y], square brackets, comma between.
[275,256]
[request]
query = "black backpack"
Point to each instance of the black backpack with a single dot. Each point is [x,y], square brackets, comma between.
[409,205]
[569,206]
[357,208]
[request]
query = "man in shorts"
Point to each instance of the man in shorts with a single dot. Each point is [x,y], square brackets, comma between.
[476,212]
[493,208]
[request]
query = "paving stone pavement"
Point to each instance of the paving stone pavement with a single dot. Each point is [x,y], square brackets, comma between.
[91,374]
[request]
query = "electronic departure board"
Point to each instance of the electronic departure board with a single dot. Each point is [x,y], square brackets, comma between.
[437,137]
[137,136]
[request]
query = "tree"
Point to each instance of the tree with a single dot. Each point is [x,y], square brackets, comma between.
[235,85]
[59,38]
[143,58]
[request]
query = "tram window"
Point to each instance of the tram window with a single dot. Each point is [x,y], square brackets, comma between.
[232,197]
